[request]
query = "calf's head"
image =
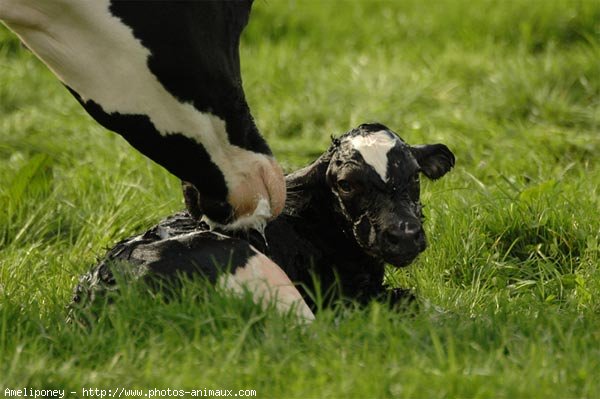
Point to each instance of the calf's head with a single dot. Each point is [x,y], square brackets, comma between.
[374,178]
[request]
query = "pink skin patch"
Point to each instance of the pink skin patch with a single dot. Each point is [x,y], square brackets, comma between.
[268,284]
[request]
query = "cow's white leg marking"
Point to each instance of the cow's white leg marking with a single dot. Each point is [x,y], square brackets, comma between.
[267,282]
[374,149]
[98,56]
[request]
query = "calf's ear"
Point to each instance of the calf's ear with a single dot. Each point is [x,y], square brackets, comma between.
[435,160]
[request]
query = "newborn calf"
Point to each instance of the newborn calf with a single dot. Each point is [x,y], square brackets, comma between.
[351,211]
[354,209]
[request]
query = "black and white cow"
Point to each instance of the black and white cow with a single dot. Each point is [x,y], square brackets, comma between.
[166,76]
[351,211]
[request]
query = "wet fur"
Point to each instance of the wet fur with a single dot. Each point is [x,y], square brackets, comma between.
[311,240]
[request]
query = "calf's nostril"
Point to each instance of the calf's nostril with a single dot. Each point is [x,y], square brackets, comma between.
[392,237]
[403,234]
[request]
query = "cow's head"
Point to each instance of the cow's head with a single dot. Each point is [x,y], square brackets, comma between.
[166,76]
[254,193]
[374,178]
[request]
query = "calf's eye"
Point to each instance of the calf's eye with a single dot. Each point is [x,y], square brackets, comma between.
[345,186]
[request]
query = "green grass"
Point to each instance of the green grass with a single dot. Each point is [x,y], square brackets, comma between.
[509,288]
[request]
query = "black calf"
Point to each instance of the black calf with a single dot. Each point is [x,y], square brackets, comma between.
[354,209]
[348,213]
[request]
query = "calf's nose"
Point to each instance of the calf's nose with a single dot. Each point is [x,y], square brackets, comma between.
[407,232]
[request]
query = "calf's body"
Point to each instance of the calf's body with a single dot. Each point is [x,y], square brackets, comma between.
[348,213]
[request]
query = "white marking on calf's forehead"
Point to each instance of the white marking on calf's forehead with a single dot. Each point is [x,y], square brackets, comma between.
[374,149]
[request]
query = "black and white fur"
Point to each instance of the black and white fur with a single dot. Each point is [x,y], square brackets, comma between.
[166,76]
[351,211]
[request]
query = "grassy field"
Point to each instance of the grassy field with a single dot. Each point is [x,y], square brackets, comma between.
[509,289]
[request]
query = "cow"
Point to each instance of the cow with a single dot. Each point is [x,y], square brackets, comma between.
[166,76]
[354,209]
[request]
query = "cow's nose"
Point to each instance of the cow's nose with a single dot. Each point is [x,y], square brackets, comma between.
[403,232]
